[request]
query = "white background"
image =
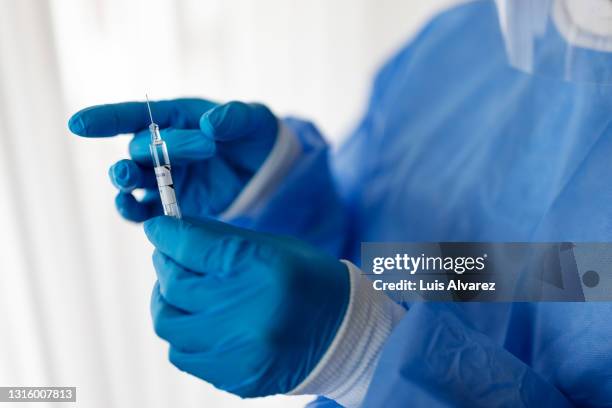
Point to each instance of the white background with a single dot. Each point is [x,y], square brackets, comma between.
[74,277]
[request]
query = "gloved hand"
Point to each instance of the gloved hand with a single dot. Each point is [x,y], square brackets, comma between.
[251,313]
[214,151]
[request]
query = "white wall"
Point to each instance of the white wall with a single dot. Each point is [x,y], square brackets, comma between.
[75,278]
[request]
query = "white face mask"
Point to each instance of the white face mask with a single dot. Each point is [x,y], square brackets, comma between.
[531,31]
[585,23]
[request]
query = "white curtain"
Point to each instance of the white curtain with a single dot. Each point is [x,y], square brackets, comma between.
[75,279]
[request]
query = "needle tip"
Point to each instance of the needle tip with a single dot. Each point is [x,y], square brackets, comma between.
[149,108]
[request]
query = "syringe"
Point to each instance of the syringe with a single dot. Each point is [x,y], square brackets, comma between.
[161,162]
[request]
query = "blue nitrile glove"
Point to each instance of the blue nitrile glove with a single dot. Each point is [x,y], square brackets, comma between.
[214,150]
[251,313]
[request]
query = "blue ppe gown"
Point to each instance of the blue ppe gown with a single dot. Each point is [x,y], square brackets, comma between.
[458,146]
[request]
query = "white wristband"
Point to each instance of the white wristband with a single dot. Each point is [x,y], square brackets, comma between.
[280,159]
[346,369]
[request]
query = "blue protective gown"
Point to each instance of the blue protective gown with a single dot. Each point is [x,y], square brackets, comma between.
[458,146]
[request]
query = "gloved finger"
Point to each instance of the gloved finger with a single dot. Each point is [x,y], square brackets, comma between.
[215,366]
[163,314]
[209,246]
[177,285]
[193,291]
[129,117]
[134,210]
[184,146]
[235,120]
[127,176]
[189,331]
[176,326]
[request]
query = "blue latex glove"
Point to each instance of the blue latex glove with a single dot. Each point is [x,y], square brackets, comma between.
[214,150]
[251,313]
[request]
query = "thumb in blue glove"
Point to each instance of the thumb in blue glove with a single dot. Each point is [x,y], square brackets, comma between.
[251,313]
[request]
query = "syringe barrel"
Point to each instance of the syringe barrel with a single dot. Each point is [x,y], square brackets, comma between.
[159,153]
[161,162]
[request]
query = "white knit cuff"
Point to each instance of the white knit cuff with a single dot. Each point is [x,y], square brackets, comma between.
[271,173]
[346,369]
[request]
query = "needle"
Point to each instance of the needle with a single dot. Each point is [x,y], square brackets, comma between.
[149,108]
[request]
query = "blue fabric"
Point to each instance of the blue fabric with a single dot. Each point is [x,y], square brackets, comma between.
[249,312]
[307,203]
[445,362]
[456,145]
